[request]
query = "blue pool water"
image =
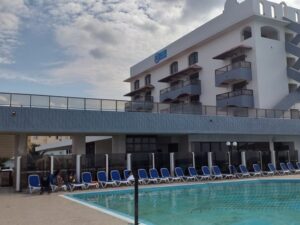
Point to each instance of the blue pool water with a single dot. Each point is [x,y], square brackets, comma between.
[236,203]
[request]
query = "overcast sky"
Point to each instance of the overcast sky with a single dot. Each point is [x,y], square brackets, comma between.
[86,47]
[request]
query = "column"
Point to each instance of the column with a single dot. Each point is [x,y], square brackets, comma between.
[194,160]
[78,167]
[78,145]
[129,161]
[107,165]
[153,160]
[20,150]
[172,163]
[209,160]
[273,155]
[243,158]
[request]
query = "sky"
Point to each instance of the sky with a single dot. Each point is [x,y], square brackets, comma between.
[85,48]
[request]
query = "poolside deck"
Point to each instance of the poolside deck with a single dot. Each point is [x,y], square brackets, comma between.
[21,209]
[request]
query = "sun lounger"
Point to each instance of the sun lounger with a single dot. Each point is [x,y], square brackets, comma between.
[179,173]
[292,168]
[206,173]
[55,187]
[34,183]
[144,178]
[166,174]
[154,175]
[284,169]
[244,171]
[193,173]
[273,169]
[103,180]
[258,171]
[116,177]
[86,178]
[233,171]
[219,175]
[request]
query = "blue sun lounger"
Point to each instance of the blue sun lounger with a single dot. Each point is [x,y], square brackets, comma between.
[258,171]
[206,173]
[179,173]
[54,187]
[273,169]
[116,177]
[292,168]
[34,183]
[86,178]
[244,171]
[193,173]
[103,179]
[166,174]
[233,171]
[218,174]
[154,175]
[144,178]
[284,169]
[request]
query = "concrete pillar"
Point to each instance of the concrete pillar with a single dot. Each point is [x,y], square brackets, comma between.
[194,160]
[153,160]
[209,160]
[129,161]
[229,158]
[51,164]
[78,167]
[172,163]
[78,144]
[273,155]
[107,165]
[20,150]
[119,144]
[243,158]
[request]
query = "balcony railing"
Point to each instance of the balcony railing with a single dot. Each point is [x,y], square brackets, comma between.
[181,85]
[144,99]
[233,66]
[235,93]
[71,103]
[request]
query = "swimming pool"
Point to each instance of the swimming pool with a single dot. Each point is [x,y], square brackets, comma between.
[252,202]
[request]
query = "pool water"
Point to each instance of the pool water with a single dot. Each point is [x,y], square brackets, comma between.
[235,203]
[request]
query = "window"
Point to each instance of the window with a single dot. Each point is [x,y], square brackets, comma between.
[193,58]
[246,33]
[148,79]
[136,84]
[174,67]
[261,8]
[292,88]
[297,17]
[141,144]
[273,11]
[269,32]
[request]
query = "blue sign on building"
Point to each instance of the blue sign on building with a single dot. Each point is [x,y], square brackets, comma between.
[160,56]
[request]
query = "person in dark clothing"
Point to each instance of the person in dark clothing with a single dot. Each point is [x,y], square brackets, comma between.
[45,183]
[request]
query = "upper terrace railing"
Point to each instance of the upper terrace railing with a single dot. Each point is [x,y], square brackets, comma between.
[72,103]
[233,66]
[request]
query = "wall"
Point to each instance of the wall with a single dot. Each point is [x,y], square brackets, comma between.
[7,146]
[103,147]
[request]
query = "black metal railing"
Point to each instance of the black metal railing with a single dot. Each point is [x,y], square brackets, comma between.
[144,99]
[181,85]
[235,93]
[242,64]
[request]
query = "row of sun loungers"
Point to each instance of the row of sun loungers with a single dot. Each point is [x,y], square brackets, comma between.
[164,176]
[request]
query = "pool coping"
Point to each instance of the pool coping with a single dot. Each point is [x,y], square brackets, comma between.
[129,219]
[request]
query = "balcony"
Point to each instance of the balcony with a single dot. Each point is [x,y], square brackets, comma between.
[237,72]
[143,104]
[186,108]
[239,98]
[189,87]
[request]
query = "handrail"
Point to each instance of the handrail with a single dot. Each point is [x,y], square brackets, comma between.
[181,85]
[235,93]
[227,68]
[73,103]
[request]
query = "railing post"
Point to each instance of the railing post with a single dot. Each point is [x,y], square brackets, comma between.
[67,103]
[172,163]
[84,102]
[107,165]
[51,164]
[18,174]
[129,161]
[49,102]
[78,167]
[10,100]
[116,105]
